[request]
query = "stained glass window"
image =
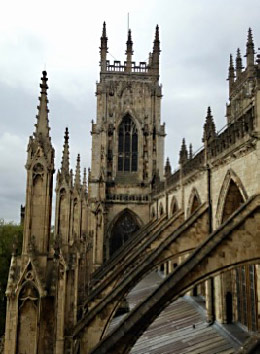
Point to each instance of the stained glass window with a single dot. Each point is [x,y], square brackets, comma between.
[127,146]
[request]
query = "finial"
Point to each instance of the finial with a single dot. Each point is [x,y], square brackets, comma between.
[190,151]
[156,46]
[250,36]
[103,48]
[209,127]
[156,51]
[129,52]
[42,125]
[183,152]
[77,173]
[231,71]
[167,168]
[157,33]
[129,44]
[250,52]
[44,85]
[104,32]
[65,155]
[239,65]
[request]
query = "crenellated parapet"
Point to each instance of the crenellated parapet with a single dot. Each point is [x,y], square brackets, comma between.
[130,67]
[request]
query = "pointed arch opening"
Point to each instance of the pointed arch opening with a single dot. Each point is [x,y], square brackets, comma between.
[231,196]
[124,227]
[233,201]
[127,145]
[174,206]
[194,202]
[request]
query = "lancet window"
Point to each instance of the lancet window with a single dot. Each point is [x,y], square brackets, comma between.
[127,145]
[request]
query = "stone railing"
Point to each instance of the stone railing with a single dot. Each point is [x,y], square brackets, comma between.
[232,133]
[128,197]
[194,163]
[174,178]
[117,66]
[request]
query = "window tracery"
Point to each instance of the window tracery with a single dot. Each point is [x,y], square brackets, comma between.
[127,145]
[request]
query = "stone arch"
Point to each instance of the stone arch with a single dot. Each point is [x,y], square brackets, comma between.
[124,225]
[174,206]
[232,195]
[28,315]
[194,201]
[134,117]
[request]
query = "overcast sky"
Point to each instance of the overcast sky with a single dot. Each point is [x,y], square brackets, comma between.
[63,37]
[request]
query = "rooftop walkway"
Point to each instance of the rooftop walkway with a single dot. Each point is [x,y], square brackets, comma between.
[181,327]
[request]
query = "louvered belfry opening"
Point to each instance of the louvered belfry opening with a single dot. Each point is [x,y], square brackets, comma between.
[127,145]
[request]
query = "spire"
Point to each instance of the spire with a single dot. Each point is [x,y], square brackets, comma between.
[231,71]
[167,168]
[104,32]
[190,152]
[156,43]
[103,48]
[250,52]
[77,173]
[42,125]
[183,153]
[129,51]
[156,51]
[209,127]
[65,155]
[85,180]
[239,65]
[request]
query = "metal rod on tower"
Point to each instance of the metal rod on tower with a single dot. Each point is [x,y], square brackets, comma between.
[127,22]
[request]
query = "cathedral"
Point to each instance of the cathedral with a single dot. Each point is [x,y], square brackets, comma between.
[130,215]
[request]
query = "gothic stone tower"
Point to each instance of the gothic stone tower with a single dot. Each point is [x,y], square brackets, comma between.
[127,147]
[30,301]
[48,282]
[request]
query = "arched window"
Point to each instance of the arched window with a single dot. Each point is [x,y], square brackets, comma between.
[122,230]
[127,145]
